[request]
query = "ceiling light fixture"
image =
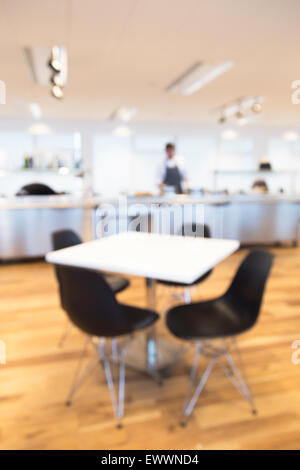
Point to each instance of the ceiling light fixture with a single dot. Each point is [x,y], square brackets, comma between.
[291,136]
[122,131]
[57,92]
[124,114]
[35,110]
[240,109]
[57,79]
[55,60]
[39,128]
[240,118]
[222,118]
[229,134]
[256,107]
[248,119]
[58,64]
[197,76]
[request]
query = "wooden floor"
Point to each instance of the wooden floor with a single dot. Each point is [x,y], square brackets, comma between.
[37,376]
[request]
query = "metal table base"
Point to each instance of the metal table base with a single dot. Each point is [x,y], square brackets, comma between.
[149,354]
[167,355]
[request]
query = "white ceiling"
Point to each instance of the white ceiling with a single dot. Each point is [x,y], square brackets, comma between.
[125,52]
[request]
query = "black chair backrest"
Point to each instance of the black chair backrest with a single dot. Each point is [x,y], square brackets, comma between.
[247,288]
[36,189]
[195,230]
[90,303]
[65,238]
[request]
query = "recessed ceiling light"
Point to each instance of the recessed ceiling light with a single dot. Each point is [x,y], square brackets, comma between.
[198,76]
[57,92]
[291,136]
[39,128]
[229,134]
[122,131]
[35,110]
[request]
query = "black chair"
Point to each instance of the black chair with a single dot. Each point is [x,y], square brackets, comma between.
[91,305]
[36,189]
[222,319]
[190,230]
[66,238]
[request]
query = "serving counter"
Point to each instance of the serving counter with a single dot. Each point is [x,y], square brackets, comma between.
[251,219]
[26,223]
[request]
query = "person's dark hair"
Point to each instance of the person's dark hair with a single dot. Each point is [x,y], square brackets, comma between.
[170,146]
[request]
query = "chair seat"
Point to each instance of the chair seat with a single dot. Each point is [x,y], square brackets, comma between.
[211,319]
[182,284]
[140,318]
[116,283]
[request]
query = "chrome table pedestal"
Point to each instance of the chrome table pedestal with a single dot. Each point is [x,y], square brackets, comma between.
[150,354]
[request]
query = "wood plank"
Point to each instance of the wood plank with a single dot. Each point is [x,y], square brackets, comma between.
[35,381]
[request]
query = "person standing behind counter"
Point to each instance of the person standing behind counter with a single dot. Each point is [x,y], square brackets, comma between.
[172,171]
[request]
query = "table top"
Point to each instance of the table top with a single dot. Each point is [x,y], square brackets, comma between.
[167,257]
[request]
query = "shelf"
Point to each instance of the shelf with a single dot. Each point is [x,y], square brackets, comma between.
[71,172]
[255,172]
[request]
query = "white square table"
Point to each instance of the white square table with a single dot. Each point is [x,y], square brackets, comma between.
[153,256]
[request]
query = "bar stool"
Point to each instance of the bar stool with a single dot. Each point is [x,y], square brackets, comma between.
[222,319]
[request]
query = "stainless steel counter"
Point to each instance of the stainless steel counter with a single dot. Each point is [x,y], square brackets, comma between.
[252,219]
[26,223]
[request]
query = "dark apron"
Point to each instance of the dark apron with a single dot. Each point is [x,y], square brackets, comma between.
[173,178]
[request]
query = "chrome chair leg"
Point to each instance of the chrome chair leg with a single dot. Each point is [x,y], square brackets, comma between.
[231,376]
[231,371]
[77,383]
[243,369]
[118,358]
[187,295]
[78,379]
[107,358]
[65,334]
[189,408]
[193,375]
[244,389]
